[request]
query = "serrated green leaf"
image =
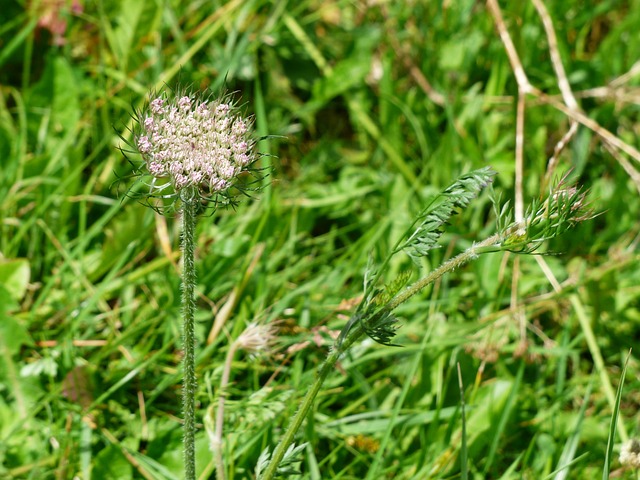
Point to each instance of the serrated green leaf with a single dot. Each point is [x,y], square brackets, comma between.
[429,226]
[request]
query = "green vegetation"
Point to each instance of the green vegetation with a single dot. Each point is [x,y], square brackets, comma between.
[372,109]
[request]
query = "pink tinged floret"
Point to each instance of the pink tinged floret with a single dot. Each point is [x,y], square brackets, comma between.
[239,127]
[175,168]
[181,181]
[164,125]
[157,106]
[218,184]
[207,168]
[240,147]
[184,103]
[144,145]
[222,156]
[188,165]
[243,159]
[222,124]
[149,123]
[227,171]
[156,169]
[222,138]
[161,156]
[171,116]
[222,109]
[203,109]
[196,176]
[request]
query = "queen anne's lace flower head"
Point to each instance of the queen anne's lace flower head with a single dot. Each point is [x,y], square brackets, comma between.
[630,453]
[195,142]
[257,338]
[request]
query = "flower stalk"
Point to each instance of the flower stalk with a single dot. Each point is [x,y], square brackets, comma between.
[356,333]
[196,151]
[256,339]
[190,385]
[562,209]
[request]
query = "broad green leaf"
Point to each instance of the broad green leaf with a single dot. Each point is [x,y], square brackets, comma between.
[14,277]
[111,464]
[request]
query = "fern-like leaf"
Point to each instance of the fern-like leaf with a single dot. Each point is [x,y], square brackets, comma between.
[382,328]
[289,465]
[391,289]
[427,229]
[420,237]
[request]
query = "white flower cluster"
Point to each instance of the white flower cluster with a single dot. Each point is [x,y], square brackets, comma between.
[195,142]
[630,453]
[257,338]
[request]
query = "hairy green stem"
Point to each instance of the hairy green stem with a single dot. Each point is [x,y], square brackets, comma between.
[490,244]
[298,418]
[189,382]
[548,219]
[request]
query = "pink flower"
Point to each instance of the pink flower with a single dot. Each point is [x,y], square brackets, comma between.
[144,145]
[184,103]
[195,142]
[157,106]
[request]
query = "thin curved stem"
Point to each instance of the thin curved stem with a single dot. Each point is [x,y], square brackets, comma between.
[549,219]
[355,334]
[298,418]
[224,383]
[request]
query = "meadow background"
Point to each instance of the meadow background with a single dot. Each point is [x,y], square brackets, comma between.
[374,106]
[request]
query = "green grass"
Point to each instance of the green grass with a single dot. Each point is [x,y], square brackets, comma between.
[89,280]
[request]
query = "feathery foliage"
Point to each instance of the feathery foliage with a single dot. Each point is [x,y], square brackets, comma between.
[428,226]
[289,465]
[419,238]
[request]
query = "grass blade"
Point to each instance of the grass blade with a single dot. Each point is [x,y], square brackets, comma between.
[614,421]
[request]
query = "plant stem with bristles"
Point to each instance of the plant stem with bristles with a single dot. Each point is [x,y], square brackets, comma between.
[189,204]
[509,238]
